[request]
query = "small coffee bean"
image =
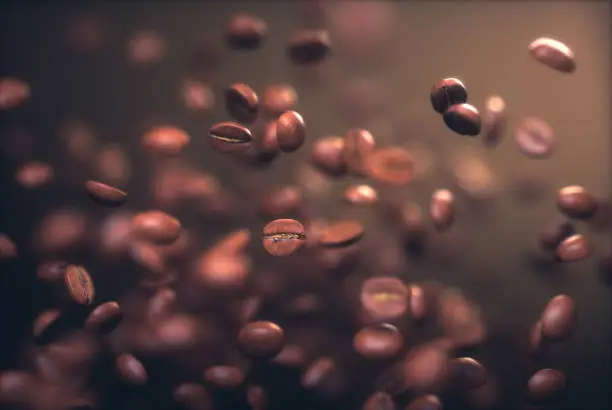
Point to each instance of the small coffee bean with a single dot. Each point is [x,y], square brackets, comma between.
[358,145]
[13,93]
[197,96]
[131,370]
[553,234]
[574,248]
[233,243]
[558,318]
[283,237]
[261,339]
[193,396]
[34,174]
[242,103]
[461,320]
[157,227]
[224,377]
[79,285]
[535,138]
[290,131]
[426,368]
[418,304]
[391,165]
[43,321]
[428,402]
[161,303]
[535,337]
[464,119]
[266,144]
[148,256]
[105,194]
[553,53]
[546,385]
[282,201]
[246,32]
[230,138]
[257,398]
[493,121]
[441,209]
[447,92]
[467,374]
[341,233]
[317,372]
[327,155]
[379,401]
[165,141]
[309,47]
[104,318]
[360,195]
[290,356]
[8,249]
[576,202]
[378,342]
[384,298]
[278,98]
[223,271]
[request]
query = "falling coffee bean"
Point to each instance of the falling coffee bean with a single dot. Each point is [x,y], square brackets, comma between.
[493,121]
[104,318]
[246,32]
[317,372]
[360,195]
[441,209]
[574,248]
[230,138]
[131,370]
[447,92]
[13,93]
[283,237]
[327,155]
[546,385]
[467,374]
[261,339]
[418,304]
[165,141]
[384,298]
[378,342]
[51,271]
[535,138]
[281,201]
[464,119]
[558,318]
[257,398]
[8,249]
[157,227]
[553,234]
[391,165]
[224,377]
[428,402]
[79,285]
[426,368]
[105,194]
[43,321]
[379,401]
[290,131]
[278,98]
[341,233]
[576,202]
[553,53]
[358,145]
[242,103]
[193,396]
[309,47]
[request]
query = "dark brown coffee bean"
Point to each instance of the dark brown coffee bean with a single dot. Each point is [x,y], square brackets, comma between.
[574,248]
[79,285]
[546,385]
[447,92]
[242,103]
[278,98]
[13,93]
[418,304]
[105,194]
[360,195]
[317,372]
[261,339]
[535,138]
[428,402]
[257,398]
[358,145]
[426,368]
[554,54]
[341,233]
[8,249]
[230,138]
[391,165]
[283,237]
[384,298]
[246,32]
[442,210]
[165,141]
[157,227]
[327,155]
[493,121]
[43,321]
[309,47]
[379,401]
[282,201]
[558,318]
[193,396]
[224,377]
[555,233]
[290,131]
[464,119]
[378,342]
[104,318]
[131,370]
[576,202]
[467,374]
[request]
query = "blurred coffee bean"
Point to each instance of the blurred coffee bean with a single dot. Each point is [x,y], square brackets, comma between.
[266,143]
[576,202]
[493,120]
[553,53]
[409,218]
[341,233]
[358,145]
[384,298]
[79,139]
[535,138]
[318,371]
[474,175]
[130,369]
[8,249]
[157,227]
[242,103]
[602,220]
[391,165]
[379,401]
[278,98]
[426,368]
[558,318]
[61,230]
[362,98]
[165,141]
[464,119]
[230,138]
[13,93]
[148,256]
[16,387]
[193,396]
[418,304]
[291,356]
[233,243]
[43,321]
[32,175]
[197,96]
[446,93]
[104,318]
[290,131]
[461,321]
[223,271]
[428,402]
[308,47]
[535,337]
[554,233]
[146,47]
[161,303]
[283,237]
[327,155]
[574,248]
[112,165]
[51,271]
[281,201]
[546,385]
[467,374]
[261,339]
[442,209]
[224,377]
[360,195]
[378,342]
[105,194]
[257,398]
[246,31]
[79,285]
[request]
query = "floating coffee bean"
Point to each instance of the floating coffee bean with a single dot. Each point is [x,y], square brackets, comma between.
[290,131]
[558,318]
[535,138]
[257,398]
[43,321]
[378,342]
[157,227]
[165,141]
[341,233]
[360,195]
[358,145]
[467,374]
[384,298]
[558,230]
[546,385]
[131,370]
[79,285]
[283,237]
[266,145]
[309,47]
[379,401]
[104,318]
[224,377]
[233,243]
[574,248]
[105,194]
[464,119]
[553,53]
[493,120]
[447,92]
[278,98]
[148,256]
[317,372]
[223,271]
[8,249]
[161,303]
[418,304]
[535,337]
[34,175]
[242,103]
[246,31]
[291,356]
[576,202]
[13,93]
[461,320]
[428,402]
[441,209]
[327,155]
[426,368]
[193,396]
[261,339]
[230,138]
[281,201]
[391,165]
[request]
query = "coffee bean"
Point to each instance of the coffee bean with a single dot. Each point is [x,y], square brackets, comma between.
[360,195]
[428,402]
[418,304]
[467,374]
[105,194]
[278,98]
[317,372]
[223,271]
[290,356]
[378,342]
[230,138]
[197,95]
[441,210]
[79,285]
[34,174]
[426,368]
[224,377]
[267,143]
[283,237]
[327,155]
[242,103]
[257,398]
[17,387]
[8,249]
[391,165]
[246,32]
[261,339]
[341,233]
[384,298]
[148,256]
[43,321]
[576,202]
[535,138]
[493,120]
[157,227]
[309,47]
[161,303]
[290,131]
[553,234]
[461,320]
[535,337]
[130,369]
[574,248]
[447,92]
[546,385]
[193,396]
[165,141]
[464,119]
[13,93]
[358,145]
[104,318]
[553,53]
[558,318]
[379,401]
[282,201]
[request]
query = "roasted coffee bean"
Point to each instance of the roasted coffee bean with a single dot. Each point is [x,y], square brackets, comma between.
[165,141]
[558,318]
[290,131]
[223,271]
[464,119]
[105,194]
[535,337]
[8,249]
[441,210]
[283,237]
[378,342]
[309,47]
[446,93]
[233,243]
[282,201]
[157,227]
[558,230]
[428,402]
[79,285]
[327,155]
[535,138]
[224,377]
[418,304]
[341,233]
[104,318]
[360,195]
[426,368]
[266,145]
[34,174]
[13,93]
[409,219]
[358,145]
[278,98]
[197,95]
[261,339]
[257,398]
[461,320]
[242,103]
[546,385]
[193,396]
[161,304]
[574,248]
[391,165]
[131,370]
[230,138]
[554,54]
[246,32]
[467,374]
[384,298]
[379,401]
[576,202]
[290,356]
[43,321]
[493,120]
[148,256]
[317,372]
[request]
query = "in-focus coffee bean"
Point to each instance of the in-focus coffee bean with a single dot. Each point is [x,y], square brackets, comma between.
[242,103]
[391,165]
[278,98]
[427,402]
[105,194]
[290,131]
[327,155]
[467,374]
[246,32]
[341,233]
[553,53]
[230,138]
[360,195]
[79,285]
[384,298]
[441,209]
[224,377]
[309,47]
[130,369]
[546,385]
[379,401]
[157,227]
[261,339]
[558,318]
[358,145]
[165,141]
[493,120]
[447,92]
[574,248]
[283,237]
[535,138]
[104,318]
[378,342]
[464,119]
[576,202]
